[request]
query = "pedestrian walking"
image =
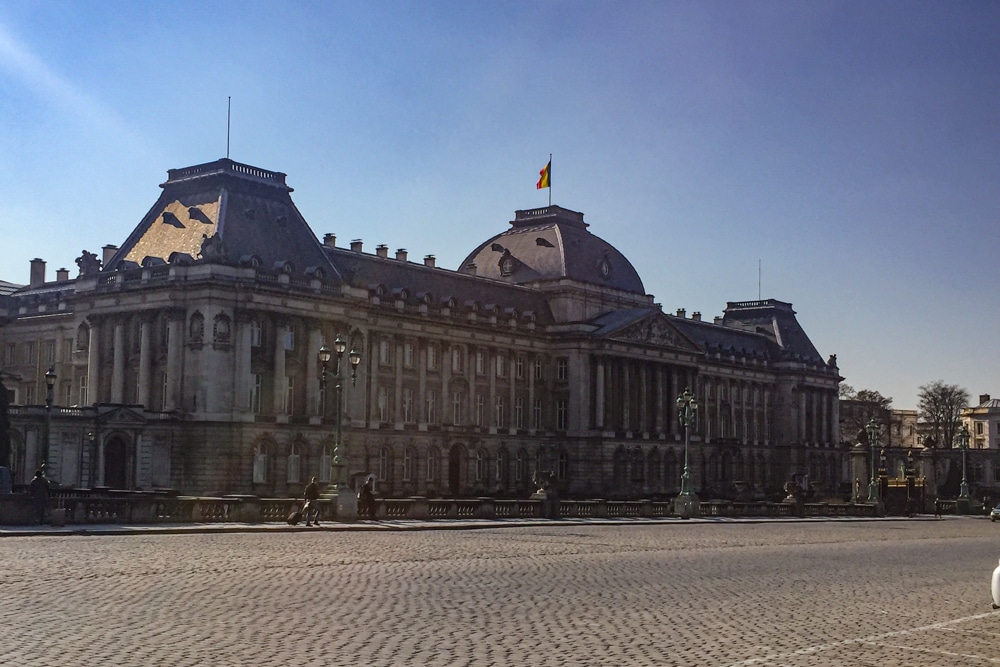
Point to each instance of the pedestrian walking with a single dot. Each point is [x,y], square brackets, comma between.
[366,498]
[39,490]
[311,508]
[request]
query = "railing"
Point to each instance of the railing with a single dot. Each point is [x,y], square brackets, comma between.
[89,506]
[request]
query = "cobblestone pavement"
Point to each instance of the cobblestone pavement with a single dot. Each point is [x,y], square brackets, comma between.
[693,594]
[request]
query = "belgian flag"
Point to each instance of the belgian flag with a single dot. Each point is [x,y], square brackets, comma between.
[545,175]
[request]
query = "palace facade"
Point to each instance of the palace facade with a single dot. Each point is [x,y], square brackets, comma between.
[187,358]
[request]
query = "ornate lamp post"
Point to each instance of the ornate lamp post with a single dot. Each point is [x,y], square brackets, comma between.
[963,444]
[872,429]
[50,381]
[339,448]
[686,504]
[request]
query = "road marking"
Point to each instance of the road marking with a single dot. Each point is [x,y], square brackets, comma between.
[872,639]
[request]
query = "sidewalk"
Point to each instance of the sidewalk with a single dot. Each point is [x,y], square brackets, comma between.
[405,525]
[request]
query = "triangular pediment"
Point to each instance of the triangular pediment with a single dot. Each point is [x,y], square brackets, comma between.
[657,330]
[121,415]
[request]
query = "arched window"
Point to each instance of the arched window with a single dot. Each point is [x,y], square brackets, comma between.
[409,460]
[384,464]
[325,461]
[196,330]
[520,466]
[482,461]
[501,465]
[294,475]
[562,469]
[433,463]
[260,464]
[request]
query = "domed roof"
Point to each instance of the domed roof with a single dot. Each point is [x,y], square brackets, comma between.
[549,244]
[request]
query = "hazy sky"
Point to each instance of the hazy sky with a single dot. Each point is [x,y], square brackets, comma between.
[841,156]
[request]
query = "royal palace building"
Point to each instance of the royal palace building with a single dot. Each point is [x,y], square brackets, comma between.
[187,358]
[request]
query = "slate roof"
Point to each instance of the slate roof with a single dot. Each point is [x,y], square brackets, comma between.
[551,243]
[249,209]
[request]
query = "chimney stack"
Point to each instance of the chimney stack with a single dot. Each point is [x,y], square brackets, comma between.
[37,273]
[696,316]
[382,250]
[330,240]
[401,254]
[356,245]
[984,398]
[681,313]
[62,275]
[429,260]
[109,252]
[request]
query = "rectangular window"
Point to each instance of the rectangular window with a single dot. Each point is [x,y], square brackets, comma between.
[67,393]
[67,350]
[50,352]
[83,390]
[562,368]
[480,362]
[383,404]
[562,414]
[456,359]
[325,460]
[501,366]
[520,466]
[518,412]
[500,412]
[256,384]
[432,465]
[11,354]
[294,468]
[385,351]
[289,406]
[536,414]
[431,406]
[164,391]
[407,464]
[538,369]
[29,395]
[519,368]
[407,405]
[456,407]
[408,355]
[29,352]
[256,333]
[289,337]
[480,409]
[432,358]
[260,467]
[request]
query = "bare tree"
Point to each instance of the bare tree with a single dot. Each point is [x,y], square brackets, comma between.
[940,406]
[857,408]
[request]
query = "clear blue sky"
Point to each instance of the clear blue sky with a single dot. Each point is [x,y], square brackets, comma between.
[851,150]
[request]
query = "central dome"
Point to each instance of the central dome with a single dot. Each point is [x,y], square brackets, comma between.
[552,243]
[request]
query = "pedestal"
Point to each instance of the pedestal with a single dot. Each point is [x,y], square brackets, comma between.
[347,505]
[687,507]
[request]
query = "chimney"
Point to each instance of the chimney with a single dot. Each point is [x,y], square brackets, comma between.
[382,250]
[984,398]
[62,275]
[429,260]
[401,254]
[109,252]
[681,312]
[37,273]
[696,316]
[330,240]
[356,245]
[717,320]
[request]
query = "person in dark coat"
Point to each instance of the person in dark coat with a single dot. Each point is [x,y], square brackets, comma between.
[311,509]
[366,499]
[39,490]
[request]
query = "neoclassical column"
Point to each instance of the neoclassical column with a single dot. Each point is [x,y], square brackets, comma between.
[447,407]
[175,348]
[94,361]
[145,363]
[511,392]
[626,395]
[643,372]
[279,382]
[398,389]
[658,399]
[421,406]
[599,394]
[243,350]
[491,401]
[118,363]
[312,368]
[531,392]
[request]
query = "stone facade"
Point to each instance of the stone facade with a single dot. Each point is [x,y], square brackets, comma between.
[186,358]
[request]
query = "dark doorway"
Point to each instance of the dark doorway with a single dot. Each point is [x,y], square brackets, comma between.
[455,469]
[115,464]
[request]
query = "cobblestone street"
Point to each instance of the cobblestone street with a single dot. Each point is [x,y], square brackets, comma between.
[692,594]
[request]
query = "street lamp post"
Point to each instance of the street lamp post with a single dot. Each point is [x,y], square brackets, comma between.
[686,504]
[963,444]
[873,430]
[50,381]
[345,507]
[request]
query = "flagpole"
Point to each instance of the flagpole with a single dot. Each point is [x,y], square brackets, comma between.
[550,179]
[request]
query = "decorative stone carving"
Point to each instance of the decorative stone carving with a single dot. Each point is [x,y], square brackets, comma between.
[652,330]
[88,263]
